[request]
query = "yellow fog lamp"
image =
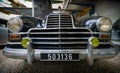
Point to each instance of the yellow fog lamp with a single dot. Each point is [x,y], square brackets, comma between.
[94,41]
[25,41]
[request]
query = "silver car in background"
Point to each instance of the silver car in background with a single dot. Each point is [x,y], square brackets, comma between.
[3,32]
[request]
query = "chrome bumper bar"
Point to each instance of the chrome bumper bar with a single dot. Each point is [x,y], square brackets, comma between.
[83,53]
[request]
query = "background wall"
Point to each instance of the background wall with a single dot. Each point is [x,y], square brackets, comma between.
[109,9]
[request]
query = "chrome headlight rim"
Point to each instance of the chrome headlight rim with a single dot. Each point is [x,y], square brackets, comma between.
[13,20]
[98,24]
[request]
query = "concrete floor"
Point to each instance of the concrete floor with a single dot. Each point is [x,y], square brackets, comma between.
[8,65]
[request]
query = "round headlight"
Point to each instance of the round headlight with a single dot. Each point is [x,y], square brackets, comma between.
[104,24]
[15,24]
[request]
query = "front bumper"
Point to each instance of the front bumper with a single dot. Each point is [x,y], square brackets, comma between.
[88,54]
[83,53]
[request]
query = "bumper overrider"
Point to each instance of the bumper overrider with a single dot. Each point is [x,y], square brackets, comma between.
[89,54]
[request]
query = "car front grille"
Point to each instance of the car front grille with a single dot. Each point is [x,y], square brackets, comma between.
[60,34]
[59,38]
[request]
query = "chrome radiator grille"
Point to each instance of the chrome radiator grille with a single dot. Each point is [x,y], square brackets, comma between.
[59,34]
[59,38]
[59,20]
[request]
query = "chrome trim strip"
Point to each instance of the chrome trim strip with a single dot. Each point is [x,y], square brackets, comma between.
[59,20]
[58,38]
[55,43]
[101,33]
[46,22]
[57,28]
[72,21]
[60,42]
[60,32]
[34,29]
[19,33]
[83,28]
[13,42]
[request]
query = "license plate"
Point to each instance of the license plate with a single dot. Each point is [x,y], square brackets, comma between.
[59,56]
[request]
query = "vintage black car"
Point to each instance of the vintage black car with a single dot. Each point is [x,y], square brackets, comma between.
[58,38]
